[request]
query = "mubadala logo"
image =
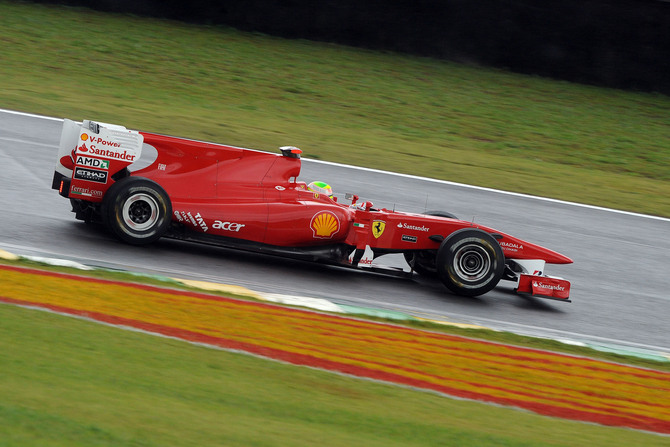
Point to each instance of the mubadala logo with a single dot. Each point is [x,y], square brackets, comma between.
[511,246]
[549,286]
[227,226]
[93,162]
[405,226]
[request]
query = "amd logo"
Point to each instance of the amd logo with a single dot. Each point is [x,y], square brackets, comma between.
[93,162]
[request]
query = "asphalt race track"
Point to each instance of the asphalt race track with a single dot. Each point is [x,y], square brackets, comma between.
[620,278]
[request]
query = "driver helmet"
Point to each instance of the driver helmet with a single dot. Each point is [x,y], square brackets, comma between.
[321,188]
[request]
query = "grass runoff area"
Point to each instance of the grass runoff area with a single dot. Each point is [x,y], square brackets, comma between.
[382,110]
[477,333]
[68,382]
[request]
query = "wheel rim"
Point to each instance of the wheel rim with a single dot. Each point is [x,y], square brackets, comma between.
[472,263]
[140,212]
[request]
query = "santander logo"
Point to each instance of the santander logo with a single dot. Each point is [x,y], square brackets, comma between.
[549,286]
[103,148]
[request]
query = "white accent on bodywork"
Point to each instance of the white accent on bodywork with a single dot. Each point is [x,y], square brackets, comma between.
[530,266]
[68,141]
[366,260]
[146,159]
[128,140]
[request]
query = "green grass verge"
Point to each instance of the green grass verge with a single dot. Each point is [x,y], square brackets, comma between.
[67,382]
[388,111]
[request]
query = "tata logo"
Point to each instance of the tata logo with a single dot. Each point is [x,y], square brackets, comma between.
[93,162]
[227,226]
[201,222]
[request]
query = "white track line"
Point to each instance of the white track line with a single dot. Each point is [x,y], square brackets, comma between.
[426,179]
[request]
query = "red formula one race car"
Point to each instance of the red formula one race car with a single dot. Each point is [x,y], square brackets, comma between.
[144,186]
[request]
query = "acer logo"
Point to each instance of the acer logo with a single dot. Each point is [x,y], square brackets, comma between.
[227,226]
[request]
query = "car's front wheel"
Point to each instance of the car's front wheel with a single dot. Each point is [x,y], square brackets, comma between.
[470,262]
[136,210]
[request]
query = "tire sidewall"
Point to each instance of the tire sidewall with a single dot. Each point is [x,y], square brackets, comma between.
[130,188]
[470,240]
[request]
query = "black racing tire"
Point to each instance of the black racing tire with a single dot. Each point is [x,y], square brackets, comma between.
[423,261]
[136,210]
[470,262]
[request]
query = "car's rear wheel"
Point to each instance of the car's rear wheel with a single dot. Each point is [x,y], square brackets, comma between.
[136,210]
[423,261]
[470,262]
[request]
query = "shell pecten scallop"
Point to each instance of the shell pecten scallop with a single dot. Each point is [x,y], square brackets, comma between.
[324,225]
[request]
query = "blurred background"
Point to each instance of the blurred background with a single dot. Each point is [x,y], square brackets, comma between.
[613,43]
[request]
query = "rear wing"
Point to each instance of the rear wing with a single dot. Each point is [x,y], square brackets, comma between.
[91,156]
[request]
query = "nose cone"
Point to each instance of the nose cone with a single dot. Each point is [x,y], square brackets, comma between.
[552,257]
[518,249]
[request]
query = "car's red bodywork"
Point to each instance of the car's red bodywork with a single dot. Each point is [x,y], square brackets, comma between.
[250,199]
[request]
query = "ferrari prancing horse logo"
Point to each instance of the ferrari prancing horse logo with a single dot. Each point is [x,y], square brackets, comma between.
[378,228]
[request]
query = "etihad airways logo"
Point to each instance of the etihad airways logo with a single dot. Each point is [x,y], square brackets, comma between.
[91,175]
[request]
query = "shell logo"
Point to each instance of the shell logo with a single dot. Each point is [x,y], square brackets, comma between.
[84,137]
[324,225]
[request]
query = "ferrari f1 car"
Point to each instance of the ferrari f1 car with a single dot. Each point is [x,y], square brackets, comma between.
[143,186]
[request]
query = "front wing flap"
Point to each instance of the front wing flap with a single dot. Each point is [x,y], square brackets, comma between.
[544,286]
